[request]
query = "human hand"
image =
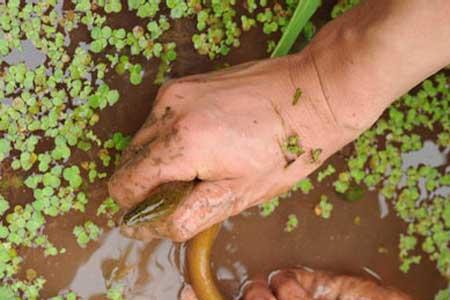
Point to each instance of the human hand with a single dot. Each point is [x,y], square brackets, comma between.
[228,129]
[300,284]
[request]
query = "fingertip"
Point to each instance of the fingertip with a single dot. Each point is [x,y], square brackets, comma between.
[286,287]
[257,290]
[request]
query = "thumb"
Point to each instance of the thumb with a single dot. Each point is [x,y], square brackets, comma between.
[209,203]
[160,161]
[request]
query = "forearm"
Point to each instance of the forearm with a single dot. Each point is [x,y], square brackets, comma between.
[377,52]
[356,67]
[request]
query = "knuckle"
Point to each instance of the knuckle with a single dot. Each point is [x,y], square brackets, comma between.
[173,89]
[173,95]
[187,128]
[166,93]
[168,86]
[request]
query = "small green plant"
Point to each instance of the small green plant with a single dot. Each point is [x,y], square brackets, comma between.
[292,145]
[324,208]
[291,223]
[297,95]
[86,233]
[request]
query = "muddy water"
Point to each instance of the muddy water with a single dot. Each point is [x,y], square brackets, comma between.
[360,238]
[148,270]
[248,245]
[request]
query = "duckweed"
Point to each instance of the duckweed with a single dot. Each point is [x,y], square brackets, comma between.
[291,223]
[59,101]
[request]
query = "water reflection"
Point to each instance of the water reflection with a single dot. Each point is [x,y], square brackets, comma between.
[241,271]
[223,273]
[429,155]
[147,270]
[29,55]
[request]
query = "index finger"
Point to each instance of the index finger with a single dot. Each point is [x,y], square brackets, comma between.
[158,162]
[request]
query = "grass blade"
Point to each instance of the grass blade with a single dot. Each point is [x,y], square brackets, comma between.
[304,11]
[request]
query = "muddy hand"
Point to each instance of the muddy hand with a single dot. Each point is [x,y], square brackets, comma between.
[228,129]
[300,284]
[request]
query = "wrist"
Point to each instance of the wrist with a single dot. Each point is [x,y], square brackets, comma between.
[338,100]
[377,52]
[339,96]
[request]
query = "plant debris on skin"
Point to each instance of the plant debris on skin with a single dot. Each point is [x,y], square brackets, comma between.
[292,146]
[315,155]
[297,95]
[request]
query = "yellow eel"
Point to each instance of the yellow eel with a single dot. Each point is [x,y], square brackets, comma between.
[199,265]
[166,198]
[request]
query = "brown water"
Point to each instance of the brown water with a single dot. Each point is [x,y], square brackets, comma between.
[248,245]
